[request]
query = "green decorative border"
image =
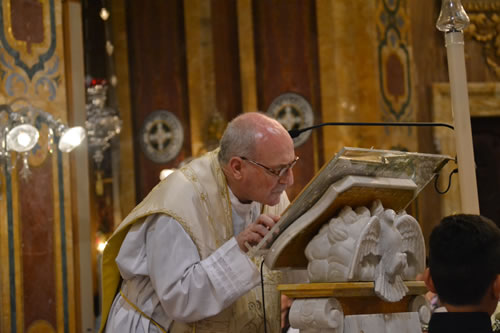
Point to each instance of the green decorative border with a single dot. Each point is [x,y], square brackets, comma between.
[31,71]
[392,18]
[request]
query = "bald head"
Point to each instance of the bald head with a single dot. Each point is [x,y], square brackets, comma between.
[248,132]
[252,145]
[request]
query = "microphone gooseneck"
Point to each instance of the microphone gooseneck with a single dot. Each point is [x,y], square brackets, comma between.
[296,132]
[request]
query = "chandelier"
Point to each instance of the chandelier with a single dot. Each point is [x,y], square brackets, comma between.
[103,122]
[19,124]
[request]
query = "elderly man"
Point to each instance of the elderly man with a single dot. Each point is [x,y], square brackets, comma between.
[181,252]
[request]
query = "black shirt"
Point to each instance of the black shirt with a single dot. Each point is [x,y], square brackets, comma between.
[460,322]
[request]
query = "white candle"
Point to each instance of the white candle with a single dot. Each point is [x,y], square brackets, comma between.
[461,118]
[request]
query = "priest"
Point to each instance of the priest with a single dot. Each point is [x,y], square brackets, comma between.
[178,261]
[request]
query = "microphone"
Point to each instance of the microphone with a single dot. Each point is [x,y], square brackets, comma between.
[296,132]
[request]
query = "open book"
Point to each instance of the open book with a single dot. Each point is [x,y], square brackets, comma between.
[355,177]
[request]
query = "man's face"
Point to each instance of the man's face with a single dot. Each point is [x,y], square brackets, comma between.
[261,183]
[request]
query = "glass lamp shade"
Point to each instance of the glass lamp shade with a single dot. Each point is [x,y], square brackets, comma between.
[71,138]
[165,173]
[452,16]
[22,138]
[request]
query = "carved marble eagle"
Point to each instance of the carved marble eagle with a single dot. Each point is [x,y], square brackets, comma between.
[368,245]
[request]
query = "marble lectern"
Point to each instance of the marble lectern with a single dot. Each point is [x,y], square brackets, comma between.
[360,250]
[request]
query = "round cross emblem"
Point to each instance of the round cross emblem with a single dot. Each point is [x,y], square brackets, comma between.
[162,136]
[293,112]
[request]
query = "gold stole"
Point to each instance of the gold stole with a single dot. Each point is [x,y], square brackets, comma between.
[197,197]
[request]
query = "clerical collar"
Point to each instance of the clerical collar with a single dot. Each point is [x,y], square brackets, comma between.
[244,210]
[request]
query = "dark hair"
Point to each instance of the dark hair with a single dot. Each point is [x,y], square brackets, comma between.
[464,258]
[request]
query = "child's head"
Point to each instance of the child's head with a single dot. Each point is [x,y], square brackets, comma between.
[464,259]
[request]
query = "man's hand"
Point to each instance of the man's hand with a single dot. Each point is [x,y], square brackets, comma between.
[254,233]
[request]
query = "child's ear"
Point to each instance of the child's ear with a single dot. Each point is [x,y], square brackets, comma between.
[428,281]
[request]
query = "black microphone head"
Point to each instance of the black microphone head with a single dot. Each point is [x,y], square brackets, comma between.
[294,133]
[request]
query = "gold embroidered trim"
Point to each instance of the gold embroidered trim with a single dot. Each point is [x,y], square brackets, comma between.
[203,196]
[224,192]
[142,313]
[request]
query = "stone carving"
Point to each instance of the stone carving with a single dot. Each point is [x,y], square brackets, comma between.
[317,315]
[162,136]
[402,322]
[420,305]
[368,245]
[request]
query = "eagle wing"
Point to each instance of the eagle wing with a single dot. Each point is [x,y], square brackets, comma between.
[413,242]
[365,245]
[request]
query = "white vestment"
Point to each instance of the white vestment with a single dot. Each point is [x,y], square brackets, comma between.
[180,262]
[191,289]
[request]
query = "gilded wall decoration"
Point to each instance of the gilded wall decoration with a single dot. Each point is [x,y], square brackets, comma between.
[394,59]
[29,64]
[36,239]
[485,28]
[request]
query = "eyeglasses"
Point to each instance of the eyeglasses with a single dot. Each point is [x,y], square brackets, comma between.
[279,172]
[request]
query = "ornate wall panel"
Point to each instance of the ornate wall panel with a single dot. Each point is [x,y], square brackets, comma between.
[127,168]
[213,70]
[158,78]
[430,65]
[205,68]
[200,69]
[395,75]
[247,55]
[348,71]
[38,245]
[238,56]
[395,78]
[36,242]
[227,63]
[482,40]
[365,72]
[286,57]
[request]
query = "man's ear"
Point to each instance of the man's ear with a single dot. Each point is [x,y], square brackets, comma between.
[235,165]
[428,281]
[496,287]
